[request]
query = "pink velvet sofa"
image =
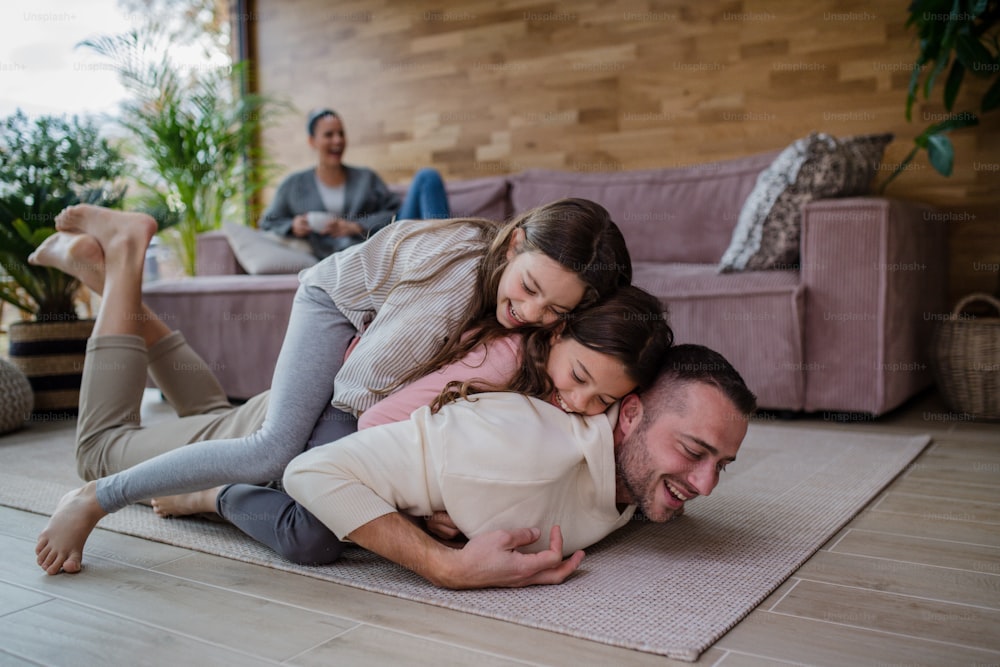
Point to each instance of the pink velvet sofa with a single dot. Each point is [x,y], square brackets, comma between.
[846,332]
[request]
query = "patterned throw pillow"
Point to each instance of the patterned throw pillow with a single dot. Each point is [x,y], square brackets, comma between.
[815,167]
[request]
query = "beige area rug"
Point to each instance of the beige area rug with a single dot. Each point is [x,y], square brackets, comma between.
[671,589]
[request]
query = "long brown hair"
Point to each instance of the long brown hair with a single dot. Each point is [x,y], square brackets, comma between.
[629,325]
[577,233]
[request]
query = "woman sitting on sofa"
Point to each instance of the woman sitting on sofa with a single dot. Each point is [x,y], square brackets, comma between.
[333,205]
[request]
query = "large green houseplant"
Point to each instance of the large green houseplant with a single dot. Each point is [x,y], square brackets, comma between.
[47,164]
[193,136]
[958,37]
[958,40]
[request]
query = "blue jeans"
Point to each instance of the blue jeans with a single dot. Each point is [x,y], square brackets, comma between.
[426,198]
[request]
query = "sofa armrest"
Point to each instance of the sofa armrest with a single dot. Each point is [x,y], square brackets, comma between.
[215,256]
[875,274]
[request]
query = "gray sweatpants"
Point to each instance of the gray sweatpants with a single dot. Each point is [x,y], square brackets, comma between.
[311,356]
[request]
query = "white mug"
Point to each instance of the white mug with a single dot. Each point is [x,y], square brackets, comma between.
[318,220]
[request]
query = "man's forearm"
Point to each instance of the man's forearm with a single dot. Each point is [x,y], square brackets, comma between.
[487,560]
[397,538]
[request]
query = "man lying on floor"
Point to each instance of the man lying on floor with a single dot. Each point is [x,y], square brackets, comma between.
[502,460]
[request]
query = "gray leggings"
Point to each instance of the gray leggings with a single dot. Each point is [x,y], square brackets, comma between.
[311,356]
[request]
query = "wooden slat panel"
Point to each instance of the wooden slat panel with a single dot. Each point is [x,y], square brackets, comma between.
[628,83]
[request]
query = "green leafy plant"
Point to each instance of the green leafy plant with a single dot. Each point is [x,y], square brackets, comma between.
[46,165]
[198,160]
[959,36]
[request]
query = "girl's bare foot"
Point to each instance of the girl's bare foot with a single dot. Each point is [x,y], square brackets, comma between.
[197,502]
[79,255]
[60,545]
[121,231]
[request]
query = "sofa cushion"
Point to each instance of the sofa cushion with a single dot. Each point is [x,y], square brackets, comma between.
[479,198]
[683,214]
[260,252]
[754,319]
[815,167]
[472,198]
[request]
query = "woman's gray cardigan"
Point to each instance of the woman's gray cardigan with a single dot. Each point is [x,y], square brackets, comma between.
[368,201]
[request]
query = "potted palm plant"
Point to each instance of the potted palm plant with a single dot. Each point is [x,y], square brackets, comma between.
[45,165]
[193,134]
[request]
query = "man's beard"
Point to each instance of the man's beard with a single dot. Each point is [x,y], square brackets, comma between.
[636,472]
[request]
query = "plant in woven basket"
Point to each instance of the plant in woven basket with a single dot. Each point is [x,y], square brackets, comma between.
[45,165]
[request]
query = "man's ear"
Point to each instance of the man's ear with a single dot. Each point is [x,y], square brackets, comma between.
[514,245]
[630,413]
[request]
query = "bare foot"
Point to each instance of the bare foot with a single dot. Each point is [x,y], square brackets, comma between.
[77,254]
[197,502]
[127,232]
[60,545]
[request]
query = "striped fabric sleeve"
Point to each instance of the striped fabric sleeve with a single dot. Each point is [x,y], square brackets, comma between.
[411,303]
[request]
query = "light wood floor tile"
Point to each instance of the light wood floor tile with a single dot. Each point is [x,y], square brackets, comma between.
[937,583]
[16,598]
[810,642]
[180,605]
[445,625]
[732,659]
[103,543]
[974,557]
[968,446]
[958,490]
[51,632]
[377,646]
[981,430]
[963,625]
[931,507]
[947,463]
[930,527]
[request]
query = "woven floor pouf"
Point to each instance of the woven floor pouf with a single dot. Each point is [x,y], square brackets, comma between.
[16,399]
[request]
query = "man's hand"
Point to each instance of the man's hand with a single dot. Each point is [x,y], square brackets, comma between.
[486,561]
[491,560]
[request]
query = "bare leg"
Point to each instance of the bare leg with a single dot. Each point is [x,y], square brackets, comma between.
[197,502]
[81,256]
[123,237]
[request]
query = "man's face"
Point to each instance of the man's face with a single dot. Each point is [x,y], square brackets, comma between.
[667,459]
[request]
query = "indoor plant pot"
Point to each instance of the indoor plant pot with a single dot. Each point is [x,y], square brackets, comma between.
[51,354]
[966,361]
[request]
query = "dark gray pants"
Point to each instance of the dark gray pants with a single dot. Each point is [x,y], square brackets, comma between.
[273,518]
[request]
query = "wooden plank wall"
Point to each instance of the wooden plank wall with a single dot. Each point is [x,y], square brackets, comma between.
[482,87]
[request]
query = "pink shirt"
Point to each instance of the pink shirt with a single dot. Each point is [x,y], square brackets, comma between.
[493,364]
